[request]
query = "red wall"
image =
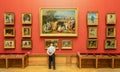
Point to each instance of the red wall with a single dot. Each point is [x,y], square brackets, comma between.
[79,43]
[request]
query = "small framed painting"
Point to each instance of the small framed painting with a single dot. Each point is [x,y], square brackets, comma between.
[9,18]
[26,44]
[66,44]
[9,32]
[92,44]
[92,32]
[111,18]
[53,41]
[110,31]
[92,18]
[110,44]
[26,18]
[26,31]
[9,43]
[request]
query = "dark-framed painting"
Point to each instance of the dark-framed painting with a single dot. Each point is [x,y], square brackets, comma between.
[92,18]
[9,32]
[66,44]
[26,18]
[92,32]
[26,43]
[111,18]
[26,31]
[92,43]
[9,18]
[53,41]
[60,22]
[110,31]
[9,43]
[110,44]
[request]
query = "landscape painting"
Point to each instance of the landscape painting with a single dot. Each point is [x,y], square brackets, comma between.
[58,22]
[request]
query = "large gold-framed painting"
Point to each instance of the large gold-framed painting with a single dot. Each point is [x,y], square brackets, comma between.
[58,22]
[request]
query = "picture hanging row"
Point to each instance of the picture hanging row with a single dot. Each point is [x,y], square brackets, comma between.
[9,18]
[10,43]
[109,44]
[92,18]
[10,31]
[27,43]
[66,44]
[59,21]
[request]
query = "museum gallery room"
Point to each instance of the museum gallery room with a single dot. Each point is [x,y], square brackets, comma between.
[59,36]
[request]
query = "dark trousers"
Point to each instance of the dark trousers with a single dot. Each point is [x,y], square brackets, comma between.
[52,61]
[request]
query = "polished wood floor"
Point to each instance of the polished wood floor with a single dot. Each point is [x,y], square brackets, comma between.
[60,68]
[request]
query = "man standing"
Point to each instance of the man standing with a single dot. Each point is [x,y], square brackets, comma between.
[51,53]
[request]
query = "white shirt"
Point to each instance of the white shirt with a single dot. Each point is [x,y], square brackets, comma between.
[51,50]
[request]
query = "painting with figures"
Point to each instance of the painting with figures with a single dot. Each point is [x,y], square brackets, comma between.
[58,22]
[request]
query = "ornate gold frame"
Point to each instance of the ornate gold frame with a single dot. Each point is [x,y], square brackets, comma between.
[26,18]
[66,44]
[8,43]
[56,28]
[27,32]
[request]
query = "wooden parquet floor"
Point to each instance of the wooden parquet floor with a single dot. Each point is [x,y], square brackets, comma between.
[72,68]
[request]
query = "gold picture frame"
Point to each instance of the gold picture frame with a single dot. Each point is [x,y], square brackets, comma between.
[9,43]
[9,32]
[92,43]
[26,31]
[110,44]
[26,43]
[26,18]
[9,18]
[66,44]
[92,32]
[111,18]
[110,31]
[92,18]
[60,22]
[53,41]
